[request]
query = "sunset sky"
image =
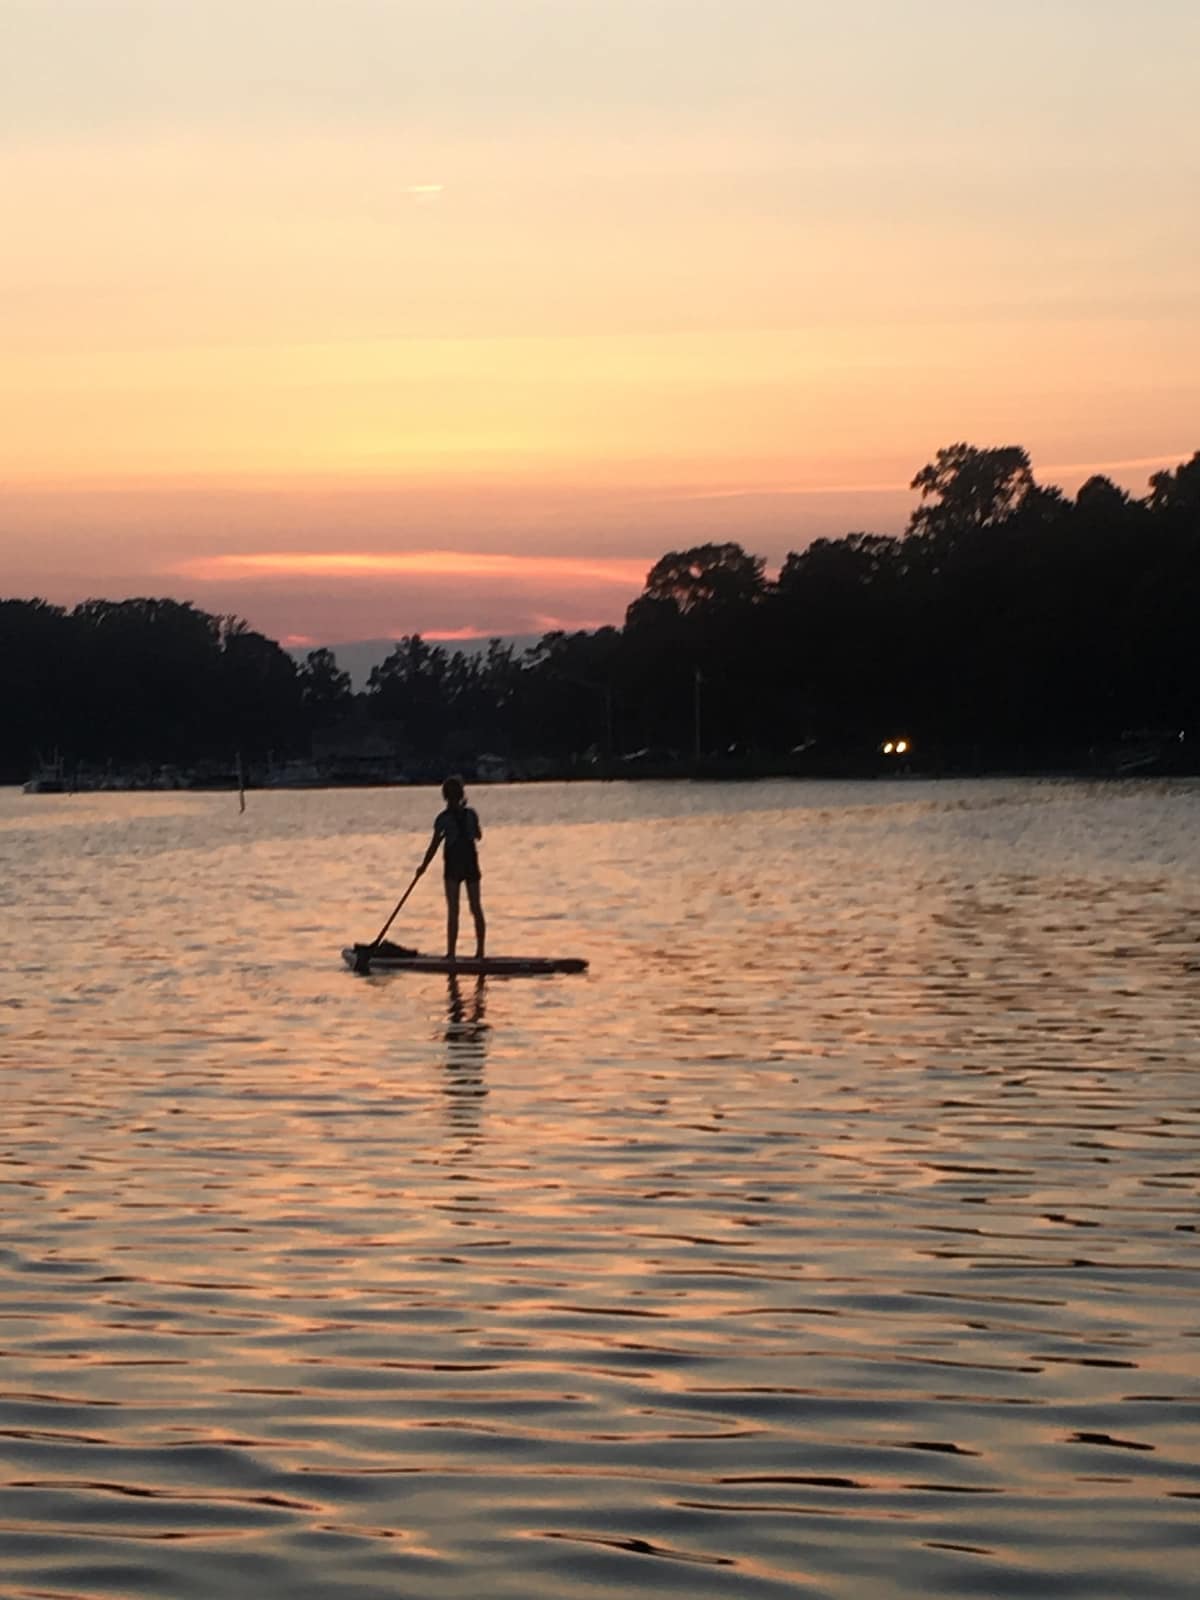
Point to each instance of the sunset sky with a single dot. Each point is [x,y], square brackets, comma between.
[361,317]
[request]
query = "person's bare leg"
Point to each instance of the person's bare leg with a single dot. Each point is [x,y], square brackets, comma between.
[476,905]
[452,890]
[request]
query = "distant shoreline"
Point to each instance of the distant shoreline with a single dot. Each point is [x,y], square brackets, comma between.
[861,773]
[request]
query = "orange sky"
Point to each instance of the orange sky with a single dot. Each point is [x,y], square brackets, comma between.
[569,284]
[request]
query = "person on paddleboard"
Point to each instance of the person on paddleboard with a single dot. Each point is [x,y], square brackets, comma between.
[456,831]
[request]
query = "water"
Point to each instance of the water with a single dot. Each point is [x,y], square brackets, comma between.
[835,1236]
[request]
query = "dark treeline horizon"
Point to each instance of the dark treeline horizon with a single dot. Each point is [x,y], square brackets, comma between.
[1008,625]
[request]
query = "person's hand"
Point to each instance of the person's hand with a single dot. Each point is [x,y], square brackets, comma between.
[421,869]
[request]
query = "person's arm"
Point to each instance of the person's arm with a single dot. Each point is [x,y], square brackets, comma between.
[433,849]
[478,827]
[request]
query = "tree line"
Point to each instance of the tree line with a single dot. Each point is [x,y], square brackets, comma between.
[1008,625]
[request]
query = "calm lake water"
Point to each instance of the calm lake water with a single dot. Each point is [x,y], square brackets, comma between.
[836,1235]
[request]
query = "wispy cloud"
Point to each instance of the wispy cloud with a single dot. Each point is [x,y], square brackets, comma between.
[1125,465]
[449,595]
[783,490]
[455,635]
[1047,471]
[366,564]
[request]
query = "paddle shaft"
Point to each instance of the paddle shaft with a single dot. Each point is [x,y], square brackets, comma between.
[378,939]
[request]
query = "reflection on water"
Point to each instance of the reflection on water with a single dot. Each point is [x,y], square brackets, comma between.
[835,1235]
[465,1034]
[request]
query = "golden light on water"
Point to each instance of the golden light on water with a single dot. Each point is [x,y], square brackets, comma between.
[808,1205]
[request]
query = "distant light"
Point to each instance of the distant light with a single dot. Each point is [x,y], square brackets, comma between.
[901,746]
[888,748]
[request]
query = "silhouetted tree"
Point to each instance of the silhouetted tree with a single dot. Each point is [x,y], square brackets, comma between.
[1177,489]
[408,689]
[39,685]
[1101,499]
[1009,624]
[964,489]
[326,692]
[707,576]
[260,692]
[150,686]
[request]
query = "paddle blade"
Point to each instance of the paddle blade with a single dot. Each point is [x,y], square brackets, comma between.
[381,947]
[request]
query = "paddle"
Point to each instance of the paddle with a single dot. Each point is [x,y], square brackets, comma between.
[364,952]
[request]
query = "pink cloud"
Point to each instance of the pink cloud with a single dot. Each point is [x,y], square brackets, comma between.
[372,565]
[314,596]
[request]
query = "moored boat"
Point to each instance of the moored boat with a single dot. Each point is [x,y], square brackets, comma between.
[46,780]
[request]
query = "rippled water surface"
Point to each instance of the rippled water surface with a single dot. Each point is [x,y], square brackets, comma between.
[835,1235]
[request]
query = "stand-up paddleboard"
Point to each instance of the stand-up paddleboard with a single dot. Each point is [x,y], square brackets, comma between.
[388,957]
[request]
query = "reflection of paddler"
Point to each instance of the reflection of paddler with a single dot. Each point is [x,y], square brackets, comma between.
[466,1024]
[466,1050]
[456,831]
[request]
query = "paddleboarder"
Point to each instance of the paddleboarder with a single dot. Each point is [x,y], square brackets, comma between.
[456,831]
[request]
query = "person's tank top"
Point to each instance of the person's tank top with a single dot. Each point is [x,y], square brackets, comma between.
[458,832]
